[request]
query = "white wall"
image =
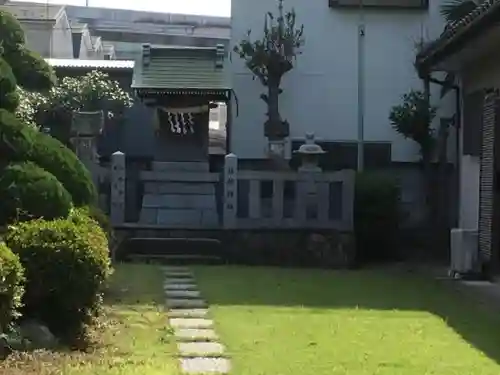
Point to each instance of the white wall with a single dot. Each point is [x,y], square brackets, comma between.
[469,192]
[483,75]
[62,42]
[320,94]
[38,36]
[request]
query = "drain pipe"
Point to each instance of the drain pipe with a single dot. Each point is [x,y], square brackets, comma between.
[458,124]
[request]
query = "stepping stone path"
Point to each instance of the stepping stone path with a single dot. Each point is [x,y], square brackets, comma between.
[197,342]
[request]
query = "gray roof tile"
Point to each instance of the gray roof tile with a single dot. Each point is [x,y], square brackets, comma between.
[456,29]
[179,68]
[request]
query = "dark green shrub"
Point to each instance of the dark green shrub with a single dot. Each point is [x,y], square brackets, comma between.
[19,142]
[11,286]
[29,191]
[53,156]
[11,31]
[66,267]
[31,70]
[9,98]
[16,139]
[376,216]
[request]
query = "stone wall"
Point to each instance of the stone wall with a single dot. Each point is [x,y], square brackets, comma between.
[293,248]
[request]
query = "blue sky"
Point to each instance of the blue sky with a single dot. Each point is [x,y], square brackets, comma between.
[202,7]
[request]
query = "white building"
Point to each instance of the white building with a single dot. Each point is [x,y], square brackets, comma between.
[50,32]
[469,49]
[321,93]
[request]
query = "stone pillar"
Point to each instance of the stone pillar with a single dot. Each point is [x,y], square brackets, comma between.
[118,188]
[230,191]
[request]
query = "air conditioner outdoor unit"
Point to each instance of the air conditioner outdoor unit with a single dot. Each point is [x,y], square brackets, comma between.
[464,251]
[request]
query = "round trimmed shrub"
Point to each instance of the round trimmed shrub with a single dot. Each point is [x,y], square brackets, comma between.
[96,215]
[30,192]
[31,70]
[11,287]
[66,265]
[82,217]
[19,142]
[16,139]
[53,156]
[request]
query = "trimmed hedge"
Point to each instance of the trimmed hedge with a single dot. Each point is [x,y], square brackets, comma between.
[96,215]
[67,265]
[11,287]
[30,192]
[377,214]
[23,143]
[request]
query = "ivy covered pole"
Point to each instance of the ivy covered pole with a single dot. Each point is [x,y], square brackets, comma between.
[269,59]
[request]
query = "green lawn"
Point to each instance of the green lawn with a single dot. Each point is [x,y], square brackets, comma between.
[134,339]
[309,322]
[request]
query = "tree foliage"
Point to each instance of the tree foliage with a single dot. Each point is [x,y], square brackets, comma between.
[413,119]
[455,10]
[270,58]
[94,91]
[9,97]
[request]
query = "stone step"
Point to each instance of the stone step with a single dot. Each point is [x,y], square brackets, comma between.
[173,269]
[181,166]
[181,218]
[187,294]
[182,303]
[179,280]
[178,176]
[204,365]
[185,217]
[200,349]
[179,274]
[191,323]
[188,313]
[173,246]
[184,188]
[175,259]
[178,201]
[180,287]
[195,334]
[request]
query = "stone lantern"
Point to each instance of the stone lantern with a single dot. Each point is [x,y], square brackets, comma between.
[309,153]
[87,124]
[85,128]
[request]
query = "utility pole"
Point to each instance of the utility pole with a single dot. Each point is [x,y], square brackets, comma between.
[361,88]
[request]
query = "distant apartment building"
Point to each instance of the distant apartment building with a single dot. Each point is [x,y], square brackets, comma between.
[52,34]
[127,30]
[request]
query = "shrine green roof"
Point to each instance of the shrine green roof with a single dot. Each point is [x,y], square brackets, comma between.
[186,70]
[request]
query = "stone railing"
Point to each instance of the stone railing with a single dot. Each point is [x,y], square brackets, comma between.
[313,199]
[305,200]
